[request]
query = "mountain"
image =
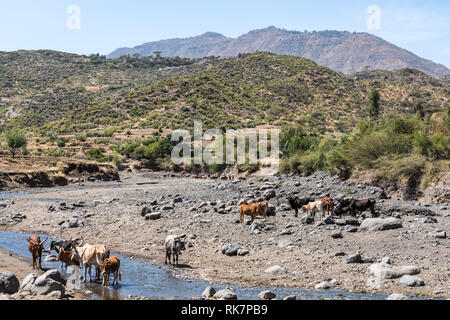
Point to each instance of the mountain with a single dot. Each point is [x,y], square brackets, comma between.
[341,51]
[53,92]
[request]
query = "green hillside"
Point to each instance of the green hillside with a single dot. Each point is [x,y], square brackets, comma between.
[59,92]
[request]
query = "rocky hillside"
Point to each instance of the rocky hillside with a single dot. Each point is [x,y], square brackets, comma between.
[68,93]
[341,51]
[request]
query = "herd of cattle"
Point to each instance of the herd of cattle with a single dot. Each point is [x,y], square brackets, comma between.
[77,254]
[311,206]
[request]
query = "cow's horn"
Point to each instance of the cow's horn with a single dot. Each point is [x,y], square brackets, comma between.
[82,241]
[43,241]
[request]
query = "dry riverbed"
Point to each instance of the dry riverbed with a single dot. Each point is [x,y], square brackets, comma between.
[206,210]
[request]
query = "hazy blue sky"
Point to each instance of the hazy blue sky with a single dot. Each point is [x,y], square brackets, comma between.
[422,27]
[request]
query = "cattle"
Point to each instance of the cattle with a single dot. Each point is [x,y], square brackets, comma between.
[312,207]
[111,265]
[297,203]
[356,206]
[90,255]
[67,258]
[253,210]
[35,245]
[342,207]
[327,205]
[174,246]
[66,245]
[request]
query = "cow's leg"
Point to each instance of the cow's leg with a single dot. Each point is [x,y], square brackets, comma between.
[40,261]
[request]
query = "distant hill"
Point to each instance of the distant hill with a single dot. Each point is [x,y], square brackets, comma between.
[55,92]
[341,51]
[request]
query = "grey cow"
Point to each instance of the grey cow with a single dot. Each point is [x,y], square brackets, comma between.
[174,246]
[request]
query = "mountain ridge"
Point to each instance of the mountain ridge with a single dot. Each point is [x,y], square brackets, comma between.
[342,51]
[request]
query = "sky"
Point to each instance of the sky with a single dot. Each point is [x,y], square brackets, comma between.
[101,26]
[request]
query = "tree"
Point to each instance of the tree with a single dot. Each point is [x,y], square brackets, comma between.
[374,103]
[15,140]
[418,109]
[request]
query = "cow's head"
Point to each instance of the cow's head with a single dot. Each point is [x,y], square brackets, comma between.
[36,245]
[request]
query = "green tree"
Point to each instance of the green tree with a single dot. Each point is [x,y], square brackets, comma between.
[15,140]
[374,103]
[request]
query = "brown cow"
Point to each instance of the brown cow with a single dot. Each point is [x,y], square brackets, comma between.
[312,207]
[328,206]
[111,265]
[66,257]
[253,210]
[35,245]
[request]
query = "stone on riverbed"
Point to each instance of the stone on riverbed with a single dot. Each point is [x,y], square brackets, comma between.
[49,282]
[380,224]
[411,281]
[225,294]
[397,296]
[9,283]
[209,292]
[275,269]
[230,250]
[28,282]
[266,295]
[153,216]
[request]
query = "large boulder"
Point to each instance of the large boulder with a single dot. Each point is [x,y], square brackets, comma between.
[380,224]
[275,269]
[9,283]
[28,282]
[386,271]
[49,282]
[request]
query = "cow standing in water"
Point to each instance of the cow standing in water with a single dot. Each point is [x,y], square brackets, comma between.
[35,245]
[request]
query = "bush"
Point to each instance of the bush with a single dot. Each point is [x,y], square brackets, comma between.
[15,140]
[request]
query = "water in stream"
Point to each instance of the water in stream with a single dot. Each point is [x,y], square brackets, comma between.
[140,278]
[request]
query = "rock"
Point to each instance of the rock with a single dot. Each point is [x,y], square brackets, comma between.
[257,226]
[9,283]
[208,293]
[290,298]
[337,235]
[50,258]
[352,221]
[307,219]
[380,224]
[145,211]
[397,296]
[225,294]
[339,254]
[328,220]
[45,285]
[285,232]
[153,216]
[167,207]
[439,234]
[351,229]
[269,194]
[242,252]
[340,222]
[74,223]
[428,220]
[266,295]
[385,271]
[355,258]
[56,294]
[324,286]
[230,250]
[411,281]
[177,200]
[275,269]
[28,282]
